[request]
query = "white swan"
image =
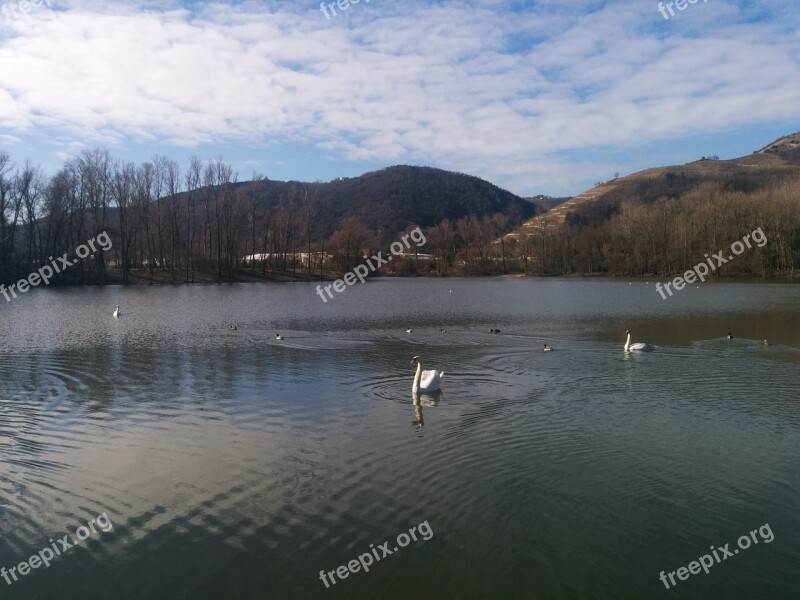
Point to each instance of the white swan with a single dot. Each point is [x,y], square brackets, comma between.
[425,381]
[116,312]
[640,346]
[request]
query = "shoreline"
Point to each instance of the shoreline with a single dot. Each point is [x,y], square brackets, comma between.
[113,278]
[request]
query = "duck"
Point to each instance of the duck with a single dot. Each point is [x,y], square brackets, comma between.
[233,327]
[278,337]
[547,348]
[730,335]
[409,330]
[642,347]
[767,343]
[116,312]
[425,381]
[494,331]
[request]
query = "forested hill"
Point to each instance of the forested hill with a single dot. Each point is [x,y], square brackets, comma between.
[775,164]
[200,221]
[658,221]
[395,198]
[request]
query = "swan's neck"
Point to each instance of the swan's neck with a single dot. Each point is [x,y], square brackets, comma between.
[415,387]
[628,342]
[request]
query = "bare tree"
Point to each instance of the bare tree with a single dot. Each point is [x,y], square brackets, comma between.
[193,177]
[123,192]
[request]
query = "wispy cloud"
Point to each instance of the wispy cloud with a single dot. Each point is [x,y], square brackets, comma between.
[505,94]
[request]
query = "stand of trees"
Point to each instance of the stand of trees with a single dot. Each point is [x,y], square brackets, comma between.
[175,225]
[669,235]
[172,225]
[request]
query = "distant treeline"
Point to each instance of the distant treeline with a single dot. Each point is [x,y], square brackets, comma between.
[667,232]
[647,227]
[200,224]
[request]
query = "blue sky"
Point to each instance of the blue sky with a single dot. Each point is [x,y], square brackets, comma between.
[537,97]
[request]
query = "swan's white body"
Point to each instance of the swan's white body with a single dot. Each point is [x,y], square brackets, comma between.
[425,381]
[640,347]
[116,312]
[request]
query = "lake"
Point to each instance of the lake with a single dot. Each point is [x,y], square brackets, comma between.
[229,464]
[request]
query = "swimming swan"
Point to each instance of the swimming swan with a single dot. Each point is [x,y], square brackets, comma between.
[640,346]
[425,381]
[116,312]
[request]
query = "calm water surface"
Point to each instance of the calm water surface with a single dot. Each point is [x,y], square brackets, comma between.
[236,466]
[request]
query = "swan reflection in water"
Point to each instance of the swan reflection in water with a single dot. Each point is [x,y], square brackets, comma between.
[420,400]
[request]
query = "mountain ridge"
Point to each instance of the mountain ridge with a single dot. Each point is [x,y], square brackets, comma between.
[779,159]
[396,197]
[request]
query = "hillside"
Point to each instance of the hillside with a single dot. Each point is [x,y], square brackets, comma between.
[786,148]
[776,162]
[201,224]
[206,226]
[395,198]
[660,221]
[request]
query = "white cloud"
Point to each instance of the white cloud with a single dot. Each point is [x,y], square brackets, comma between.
[471,87]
